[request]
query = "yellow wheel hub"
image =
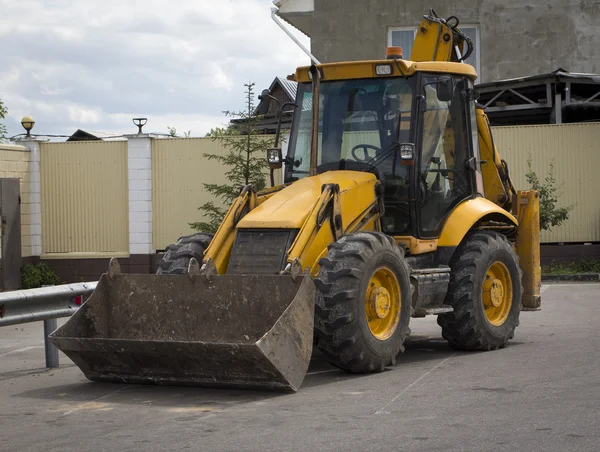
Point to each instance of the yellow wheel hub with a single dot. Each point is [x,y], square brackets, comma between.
[383,302]
[497,293]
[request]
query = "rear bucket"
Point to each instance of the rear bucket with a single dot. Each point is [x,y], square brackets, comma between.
[233,331]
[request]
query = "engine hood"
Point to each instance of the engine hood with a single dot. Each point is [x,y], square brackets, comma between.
[290,207]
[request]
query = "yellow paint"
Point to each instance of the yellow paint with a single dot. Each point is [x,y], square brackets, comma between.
[362,220]
[366,69]
[220,247]
[290,207]
[357,194]
[84,197]
[311,239]
[466,215]
[383,302]
[417,246]
[497,293]
[497,191]
[429,43]
[528,247]
[298,206]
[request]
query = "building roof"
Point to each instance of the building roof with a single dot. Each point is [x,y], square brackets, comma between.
[552,76]
[290,87]
[297,13]
[555,97]
[95,135]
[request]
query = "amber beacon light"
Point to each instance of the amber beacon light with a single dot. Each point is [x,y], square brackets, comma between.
[393,52]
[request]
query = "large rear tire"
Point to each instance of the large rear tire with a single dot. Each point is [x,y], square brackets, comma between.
[177,257]
[485,291]
[363,303]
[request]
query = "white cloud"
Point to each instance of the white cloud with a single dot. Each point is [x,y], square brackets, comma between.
[76,64]
[220,78]
[86,116]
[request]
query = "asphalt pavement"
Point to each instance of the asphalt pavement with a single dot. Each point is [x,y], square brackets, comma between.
[541,393]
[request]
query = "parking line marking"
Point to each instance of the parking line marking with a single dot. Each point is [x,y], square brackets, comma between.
[323,371]
[581,284]
[19,350]
[382,409]
[543,289]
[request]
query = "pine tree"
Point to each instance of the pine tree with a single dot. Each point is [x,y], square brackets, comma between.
[245,161]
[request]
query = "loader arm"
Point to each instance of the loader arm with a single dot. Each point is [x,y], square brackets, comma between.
[219,249]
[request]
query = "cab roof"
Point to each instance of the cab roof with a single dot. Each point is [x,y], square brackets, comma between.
[399,68]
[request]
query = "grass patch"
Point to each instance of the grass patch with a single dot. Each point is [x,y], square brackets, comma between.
[572,268]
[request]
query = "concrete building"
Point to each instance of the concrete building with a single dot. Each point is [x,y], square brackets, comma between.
[513,38]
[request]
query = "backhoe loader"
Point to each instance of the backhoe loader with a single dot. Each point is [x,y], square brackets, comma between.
[395,204]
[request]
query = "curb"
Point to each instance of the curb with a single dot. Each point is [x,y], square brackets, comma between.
[582,277]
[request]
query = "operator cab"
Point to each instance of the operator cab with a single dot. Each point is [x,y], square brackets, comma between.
[364,120]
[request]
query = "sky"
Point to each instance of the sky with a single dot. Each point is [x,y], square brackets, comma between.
[96,64]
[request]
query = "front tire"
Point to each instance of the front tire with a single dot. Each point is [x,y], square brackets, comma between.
[485,291]
[177,258]
[363,303]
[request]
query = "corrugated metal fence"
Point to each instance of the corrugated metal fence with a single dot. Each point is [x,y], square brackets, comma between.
[84,199]
[179,169]
[575,150]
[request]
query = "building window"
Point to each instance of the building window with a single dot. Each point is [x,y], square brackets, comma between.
[405,37]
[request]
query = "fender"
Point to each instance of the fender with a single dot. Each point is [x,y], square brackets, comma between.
[466,215]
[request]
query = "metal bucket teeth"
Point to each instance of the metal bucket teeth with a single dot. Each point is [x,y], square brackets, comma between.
[234,331]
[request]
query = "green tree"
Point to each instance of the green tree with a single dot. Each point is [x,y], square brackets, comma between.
[3,113]
[550,214]
[220,131]
[173,132]
[245,162]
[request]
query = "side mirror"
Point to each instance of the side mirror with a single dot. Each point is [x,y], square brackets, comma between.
[445,88]
[407,154]
[275,158]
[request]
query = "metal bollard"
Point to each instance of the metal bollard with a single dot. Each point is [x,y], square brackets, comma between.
[51,350]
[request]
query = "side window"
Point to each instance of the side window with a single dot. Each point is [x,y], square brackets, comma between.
[443,177]
[475,143]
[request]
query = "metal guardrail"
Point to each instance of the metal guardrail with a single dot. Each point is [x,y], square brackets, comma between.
[44,304]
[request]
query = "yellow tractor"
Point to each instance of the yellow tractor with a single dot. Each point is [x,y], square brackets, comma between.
[395,204]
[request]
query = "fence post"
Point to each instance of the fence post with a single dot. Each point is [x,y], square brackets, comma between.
[49,347]
[51,350]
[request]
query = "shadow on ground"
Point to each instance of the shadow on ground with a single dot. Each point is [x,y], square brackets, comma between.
[418,349]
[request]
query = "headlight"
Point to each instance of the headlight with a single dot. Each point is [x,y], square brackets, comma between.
[384,69]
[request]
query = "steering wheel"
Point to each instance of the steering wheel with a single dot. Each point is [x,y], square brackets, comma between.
[365,149]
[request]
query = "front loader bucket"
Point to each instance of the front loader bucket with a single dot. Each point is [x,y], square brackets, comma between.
[234,331]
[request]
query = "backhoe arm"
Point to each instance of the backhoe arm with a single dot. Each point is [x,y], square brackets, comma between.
[498,187]
[440,39]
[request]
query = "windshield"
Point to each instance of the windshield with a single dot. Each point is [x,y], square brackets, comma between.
[361,123]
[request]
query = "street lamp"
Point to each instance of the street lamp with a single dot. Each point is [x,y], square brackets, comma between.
[140,122]
[27,122]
